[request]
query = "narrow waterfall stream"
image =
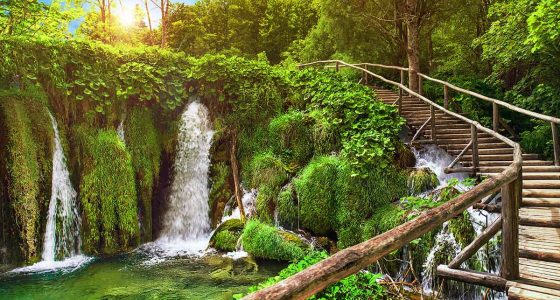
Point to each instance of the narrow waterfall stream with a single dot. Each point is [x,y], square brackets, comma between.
[64,241]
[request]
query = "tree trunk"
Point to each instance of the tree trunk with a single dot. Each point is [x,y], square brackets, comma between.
[413,47]
[236,181]
[148,15]
[164,22]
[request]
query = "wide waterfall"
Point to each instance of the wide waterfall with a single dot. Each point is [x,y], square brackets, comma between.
[62,235]
[187,215]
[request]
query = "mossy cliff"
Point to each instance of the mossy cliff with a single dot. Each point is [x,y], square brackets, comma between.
[27,145]
[143,143]
[108,193]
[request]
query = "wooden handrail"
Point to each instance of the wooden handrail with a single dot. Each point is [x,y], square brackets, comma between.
[456,160]
[353,259]
[419,131]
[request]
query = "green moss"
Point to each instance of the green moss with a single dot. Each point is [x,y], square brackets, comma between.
[143,143]
[316,192]
[226,235]
[265,241]
[290,137]
[251,141]
[267,169]
[421,180]
[265,203]
[108,193]
[287,207]
[384,218]
[28,154]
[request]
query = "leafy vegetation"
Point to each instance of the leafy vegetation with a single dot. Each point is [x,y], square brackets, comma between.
[362,285]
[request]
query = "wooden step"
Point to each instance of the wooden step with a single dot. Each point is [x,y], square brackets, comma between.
[541,175]
[499,163]
[538,193]
[526,169]
[494,151]
[540,202]
[480,146]
[506,157]
[463,141]
[541,184]
[448,136]
[540,217]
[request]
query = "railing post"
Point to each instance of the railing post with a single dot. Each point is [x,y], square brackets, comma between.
[474,137]
[402,84]
[445,97]
[495,116]
[556,143]
[511,198]
[433,123]
[420,80]
[337,66]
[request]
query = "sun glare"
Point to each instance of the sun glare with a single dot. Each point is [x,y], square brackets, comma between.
[126,17]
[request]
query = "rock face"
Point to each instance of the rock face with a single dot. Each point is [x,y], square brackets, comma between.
[421,180]
[226,235]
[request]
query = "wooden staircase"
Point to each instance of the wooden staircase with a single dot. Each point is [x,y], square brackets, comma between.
[539,215]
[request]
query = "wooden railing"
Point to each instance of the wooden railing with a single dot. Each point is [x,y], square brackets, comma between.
[353,259]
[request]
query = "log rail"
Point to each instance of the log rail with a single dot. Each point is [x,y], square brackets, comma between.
[353,259]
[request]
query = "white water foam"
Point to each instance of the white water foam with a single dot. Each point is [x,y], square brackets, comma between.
[67,265]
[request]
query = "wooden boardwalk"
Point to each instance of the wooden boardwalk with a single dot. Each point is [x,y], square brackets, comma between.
[539,215]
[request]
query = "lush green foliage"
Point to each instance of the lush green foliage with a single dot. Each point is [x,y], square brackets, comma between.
[368,128]
[362,285]
[265,241]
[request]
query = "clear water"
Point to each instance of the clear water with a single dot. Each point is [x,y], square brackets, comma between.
[135,277]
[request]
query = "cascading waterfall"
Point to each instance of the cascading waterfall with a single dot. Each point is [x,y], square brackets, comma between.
[436,159]
[187,216]
[62,234]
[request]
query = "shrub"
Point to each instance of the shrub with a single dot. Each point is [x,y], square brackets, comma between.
[264,241]
[362,285]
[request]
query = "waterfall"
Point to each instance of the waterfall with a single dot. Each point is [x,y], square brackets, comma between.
[187,216]
[248,200]
[445,245]
[62,234]
[120,131]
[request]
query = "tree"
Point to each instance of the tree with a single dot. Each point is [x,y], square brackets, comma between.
[163,6]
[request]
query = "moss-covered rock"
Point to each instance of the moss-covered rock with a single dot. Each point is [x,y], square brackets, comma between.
[290,137]
[142,141]
[287,207]
[316,191]
[462,229]
[404,157]
[421,180]
[265,241]
[227,234]
[107,193]
[267,169]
